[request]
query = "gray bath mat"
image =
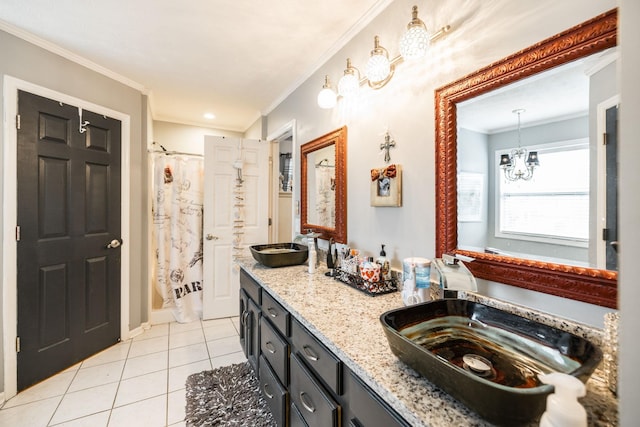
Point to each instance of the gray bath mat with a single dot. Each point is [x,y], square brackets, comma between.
[226,396]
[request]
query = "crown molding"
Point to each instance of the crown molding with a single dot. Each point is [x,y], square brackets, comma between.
[60,51]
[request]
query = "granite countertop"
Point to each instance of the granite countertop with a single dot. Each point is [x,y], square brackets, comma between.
[347,322]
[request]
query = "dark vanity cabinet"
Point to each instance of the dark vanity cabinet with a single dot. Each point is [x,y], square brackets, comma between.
[250,313]
[304,383]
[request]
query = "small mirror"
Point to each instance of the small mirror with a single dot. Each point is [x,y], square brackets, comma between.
[323,186]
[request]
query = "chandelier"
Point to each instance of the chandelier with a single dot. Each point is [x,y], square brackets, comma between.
[519,163]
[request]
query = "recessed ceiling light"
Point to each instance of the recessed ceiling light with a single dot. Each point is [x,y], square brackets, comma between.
[209,116]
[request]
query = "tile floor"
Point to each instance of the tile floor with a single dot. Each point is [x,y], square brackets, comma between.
[139,382]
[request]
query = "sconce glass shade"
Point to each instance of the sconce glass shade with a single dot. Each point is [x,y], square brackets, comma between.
[378,67]
[327,97]
[415,42]
[349,84]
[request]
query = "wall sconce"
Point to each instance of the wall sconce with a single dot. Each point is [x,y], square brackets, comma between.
[350,82]
[327,97]
[380,69]
[415,41]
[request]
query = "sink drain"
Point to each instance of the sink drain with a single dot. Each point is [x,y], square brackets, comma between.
[477,365]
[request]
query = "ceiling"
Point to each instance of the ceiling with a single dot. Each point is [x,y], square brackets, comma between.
[236,59]
[557,94]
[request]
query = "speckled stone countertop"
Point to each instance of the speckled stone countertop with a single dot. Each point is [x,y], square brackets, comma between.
[347,322]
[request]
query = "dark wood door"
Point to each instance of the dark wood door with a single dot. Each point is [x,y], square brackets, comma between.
[68,212]
[611,236]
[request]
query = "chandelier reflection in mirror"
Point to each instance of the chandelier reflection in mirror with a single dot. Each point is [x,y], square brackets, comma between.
[380,68]
[519,163]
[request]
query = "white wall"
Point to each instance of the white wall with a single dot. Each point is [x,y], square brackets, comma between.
[184,138]
[629,150]
[482,32]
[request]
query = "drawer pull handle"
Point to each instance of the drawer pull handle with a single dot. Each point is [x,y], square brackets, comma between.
[270,347]
[243,318]
[308,406]
[266,392]
[309,354]
[272,312]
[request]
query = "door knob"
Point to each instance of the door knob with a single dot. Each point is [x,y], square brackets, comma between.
[114,244]
[212,237]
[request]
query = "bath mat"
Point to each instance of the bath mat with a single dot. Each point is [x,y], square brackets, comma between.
[227,396]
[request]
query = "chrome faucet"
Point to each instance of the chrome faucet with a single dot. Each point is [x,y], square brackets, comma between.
[450,276]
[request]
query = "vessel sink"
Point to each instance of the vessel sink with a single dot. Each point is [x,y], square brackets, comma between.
[280,254]
[486,358]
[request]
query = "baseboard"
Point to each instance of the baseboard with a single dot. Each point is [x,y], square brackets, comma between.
[2,399]
[139,330]
[163,315]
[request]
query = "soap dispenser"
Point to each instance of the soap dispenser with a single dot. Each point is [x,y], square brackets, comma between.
[563,408]
[385,270]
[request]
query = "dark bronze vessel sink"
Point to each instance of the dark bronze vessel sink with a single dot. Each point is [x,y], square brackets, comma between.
[486,358]
[280,254]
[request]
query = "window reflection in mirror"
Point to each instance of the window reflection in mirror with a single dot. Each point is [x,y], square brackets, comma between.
[560,215]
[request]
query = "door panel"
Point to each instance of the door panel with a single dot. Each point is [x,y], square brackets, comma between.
[68,210]
[224,220]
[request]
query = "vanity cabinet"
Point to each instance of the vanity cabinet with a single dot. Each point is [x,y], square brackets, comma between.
[304,383]
[250,313]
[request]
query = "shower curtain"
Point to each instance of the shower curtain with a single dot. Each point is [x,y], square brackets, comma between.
[177,231]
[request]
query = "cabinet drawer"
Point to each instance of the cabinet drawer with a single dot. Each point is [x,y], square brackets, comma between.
[274,393]
[317,356]
[275,349]
[366,408]
[251,287]
[296,419]
[317,407]
[276,313]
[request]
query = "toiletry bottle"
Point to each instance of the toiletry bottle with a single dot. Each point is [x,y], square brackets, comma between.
[313,256]
[385,270]
[563,408]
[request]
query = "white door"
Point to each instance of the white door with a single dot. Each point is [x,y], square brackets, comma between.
[235,216]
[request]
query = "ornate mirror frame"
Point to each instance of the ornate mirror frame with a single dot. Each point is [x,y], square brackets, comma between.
[338,138]
[578,283]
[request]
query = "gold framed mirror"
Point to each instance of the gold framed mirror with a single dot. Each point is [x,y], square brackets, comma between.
[323,186]
[582,283]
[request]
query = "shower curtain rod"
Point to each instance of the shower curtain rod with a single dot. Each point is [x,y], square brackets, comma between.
[175,152]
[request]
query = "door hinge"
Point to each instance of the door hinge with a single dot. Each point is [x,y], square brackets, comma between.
[18,121]
[270,221]
[605,234]
[605,140]
[17,344]
[17,233]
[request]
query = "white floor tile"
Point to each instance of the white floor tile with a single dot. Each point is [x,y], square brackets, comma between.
[155,331]
[176,404]
[142,378]
[54,386]
[178,375]
[224,346]
[31,414]
[148,413]
[112,354]
[182,339]
[222,330]
[189,354]
[152,345]
[97,375]
[85,402]
[182,327]
[228,359]
[136,366]
[141,388]
[100,419]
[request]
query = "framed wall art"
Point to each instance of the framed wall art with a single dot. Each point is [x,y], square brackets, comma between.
[386,186]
